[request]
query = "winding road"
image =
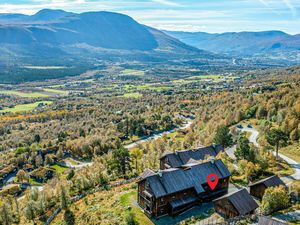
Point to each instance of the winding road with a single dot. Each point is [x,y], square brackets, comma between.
[159,135]
[253,139]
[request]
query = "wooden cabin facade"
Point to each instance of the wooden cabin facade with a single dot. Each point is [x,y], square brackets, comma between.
[175,190]
[179,158]
[258,189]
[236,204]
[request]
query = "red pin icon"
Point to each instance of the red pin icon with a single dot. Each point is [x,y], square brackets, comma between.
[212,180]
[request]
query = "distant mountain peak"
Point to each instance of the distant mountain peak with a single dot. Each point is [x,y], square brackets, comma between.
[50,14]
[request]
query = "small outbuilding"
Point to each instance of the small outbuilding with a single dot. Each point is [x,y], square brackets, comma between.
[258,188]
[269,221]
[239,203]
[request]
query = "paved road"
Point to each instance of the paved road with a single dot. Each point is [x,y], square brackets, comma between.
[156,136]
[253,139]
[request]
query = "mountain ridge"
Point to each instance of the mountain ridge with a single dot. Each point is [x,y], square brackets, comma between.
[244,43]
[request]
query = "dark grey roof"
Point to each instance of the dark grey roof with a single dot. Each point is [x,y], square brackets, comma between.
[269,182]
[146,173]
[180,158]
[241,200]
[183,201]
[269,221]
[174,180]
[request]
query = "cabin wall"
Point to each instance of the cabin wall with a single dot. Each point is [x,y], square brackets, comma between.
[225,208]
[258,190]
[145,202]
[162,205]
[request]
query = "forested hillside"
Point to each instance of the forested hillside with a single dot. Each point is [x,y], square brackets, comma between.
[114,116]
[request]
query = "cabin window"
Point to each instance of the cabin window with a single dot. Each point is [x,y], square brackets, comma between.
[184,193]
[147,208]
[147,185]
[174,197]
[162,200]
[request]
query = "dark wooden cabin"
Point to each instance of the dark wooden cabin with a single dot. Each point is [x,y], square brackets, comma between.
[258,189]
[175,190]
[239,203]
[179,158]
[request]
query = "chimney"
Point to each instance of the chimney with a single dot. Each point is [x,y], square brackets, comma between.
[212,160]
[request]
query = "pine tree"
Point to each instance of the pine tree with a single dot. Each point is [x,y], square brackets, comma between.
[223,136]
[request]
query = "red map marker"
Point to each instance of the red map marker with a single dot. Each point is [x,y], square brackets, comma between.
[212,180]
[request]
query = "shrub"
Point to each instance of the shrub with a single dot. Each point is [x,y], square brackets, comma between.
[274,199]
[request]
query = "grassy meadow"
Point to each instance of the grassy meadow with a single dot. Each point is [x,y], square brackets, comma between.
[25,107]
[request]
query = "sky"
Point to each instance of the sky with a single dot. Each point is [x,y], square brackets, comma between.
[214,16]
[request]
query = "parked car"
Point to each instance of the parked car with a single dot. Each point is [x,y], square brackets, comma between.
[249,126]
[239,126]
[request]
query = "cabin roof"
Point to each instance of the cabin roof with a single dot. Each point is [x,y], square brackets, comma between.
[183,201]
[269,182]
[179,158]
[194,176]
[269,221]
[146,174]
[241,200]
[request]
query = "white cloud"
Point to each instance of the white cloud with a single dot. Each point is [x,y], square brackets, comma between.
[166,2]
[291,7]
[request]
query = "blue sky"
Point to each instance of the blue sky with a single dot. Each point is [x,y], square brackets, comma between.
[213,16]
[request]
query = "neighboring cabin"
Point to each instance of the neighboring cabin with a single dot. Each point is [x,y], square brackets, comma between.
[239,203]
[179,158]
[258,189]
[175,190]
[269,221]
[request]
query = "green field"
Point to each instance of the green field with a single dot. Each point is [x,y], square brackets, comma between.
[25,107]
[25,94]
[133,72]
[58,168]
[129,200]
[133,95]
[129,87]
[61,92]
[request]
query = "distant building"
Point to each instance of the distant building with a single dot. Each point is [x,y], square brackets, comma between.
[239,203]
[179,158]
[258,189]
[175,190]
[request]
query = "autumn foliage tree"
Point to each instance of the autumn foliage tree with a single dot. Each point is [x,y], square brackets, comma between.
[274,199]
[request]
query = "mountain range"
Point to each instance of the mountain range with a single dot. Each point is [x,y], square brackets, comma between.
[82,41]
[244,44]
[56,28]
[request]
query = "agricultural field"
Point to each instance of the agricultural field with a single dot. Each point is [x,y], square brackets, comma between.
[56,91]
[25,94]
[133,72]
[25,107]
